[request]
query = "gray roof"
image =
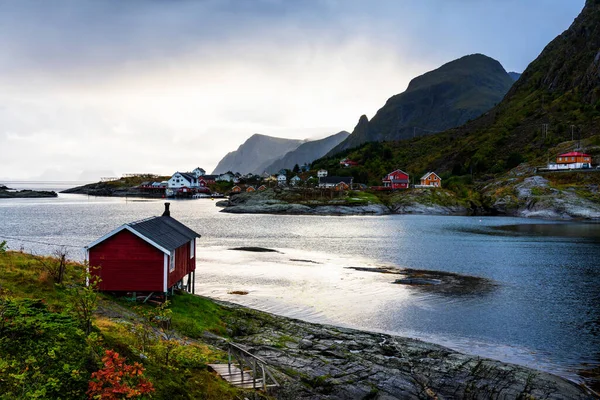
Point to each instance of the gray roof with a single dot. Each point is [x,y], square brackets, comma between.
[336,179]
[164,231]
[188,175]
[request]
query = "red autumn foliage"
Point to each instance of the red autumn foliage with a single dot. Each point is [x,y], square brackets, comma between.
[117,380]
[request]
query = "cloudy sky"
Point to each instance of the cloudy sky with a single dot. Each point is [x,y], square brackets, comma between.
[97,88]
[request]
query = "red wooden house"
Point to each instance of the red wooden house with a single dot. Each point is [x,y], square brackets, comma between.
[151,255]
[397,179]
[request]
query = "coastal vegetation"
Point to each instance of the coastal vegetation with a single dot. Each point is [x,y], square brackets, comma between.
[46,350]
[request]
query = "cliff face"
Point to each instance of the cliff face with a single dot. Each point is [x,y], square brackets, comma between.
[449,96]
[570,63]
[255,154]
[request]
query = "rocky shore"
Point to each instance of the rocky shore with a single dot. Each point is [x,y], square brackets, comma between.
[6,193]
[560,196]
[270,202]
[107,189]
[327,362]
[537,197]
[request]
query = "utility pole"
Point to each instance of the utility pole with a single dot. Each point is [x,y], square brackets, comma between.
[572,126]
[545,130]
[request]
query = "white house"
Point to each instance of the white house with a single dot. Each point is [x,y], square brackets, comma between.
[295,180]
[322,173]
[572,160]
[336,182]
[225,177]
[182,179]
[198,172]
[281,179]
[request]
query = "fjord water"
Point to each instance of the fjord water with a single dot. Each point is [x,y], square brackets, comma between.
[542,309]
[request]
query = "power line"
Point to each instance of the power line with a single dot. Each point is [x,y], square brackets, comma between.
[39,242]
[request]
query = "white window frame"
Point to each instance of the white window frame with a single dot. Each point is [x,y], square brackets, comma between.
[192,248]
[172,263]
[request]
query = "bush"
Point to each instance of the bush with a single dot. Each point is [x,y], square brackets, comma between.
[118,380]
[42,354]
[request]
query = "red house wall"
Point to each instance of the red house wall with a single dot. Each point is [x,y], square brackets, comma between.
[397,175]
[127,263]
[183,264]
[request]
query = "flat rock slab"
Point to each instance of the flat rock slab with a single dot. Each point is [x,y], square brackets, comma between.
[327,362]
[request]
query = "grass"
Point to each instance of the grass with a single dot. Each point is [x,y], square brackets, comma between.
[193,315]
[185,376]
[22,275]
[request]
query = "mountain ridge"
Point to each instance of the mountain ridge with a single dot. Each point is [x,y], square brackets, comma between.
[307,152]
[446,97]
[257,152]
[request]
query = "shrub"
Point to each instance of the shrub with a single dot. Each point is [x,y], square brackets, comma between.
[118,380]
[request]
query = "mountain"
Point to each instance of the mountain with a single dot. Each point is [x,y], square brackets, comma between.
[255,154]
[514,75]
[558,92]
[307,152]
[447,97]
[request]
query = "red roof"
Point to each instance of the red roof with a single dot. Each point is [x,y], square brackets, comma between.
[574,154]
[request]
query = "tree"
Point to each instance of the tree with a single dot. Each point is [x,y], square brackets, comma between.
[296,169]
[55,266]
[84,301]
[3,247]
[118,380]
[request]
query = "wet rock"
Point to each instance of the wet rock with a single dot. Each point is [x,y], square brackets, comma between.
[418,281]
[255,249]
[326,365]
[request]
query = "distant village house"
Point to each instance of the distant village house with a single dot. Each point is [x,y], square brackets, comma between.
[397,179]
[281,180]
[346,162]
[571,160]
[336,182]
[182,179]
[296,180]
[431,179]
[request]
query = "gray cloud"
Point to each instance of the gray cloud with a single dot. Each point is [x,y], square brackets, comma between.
[111,85]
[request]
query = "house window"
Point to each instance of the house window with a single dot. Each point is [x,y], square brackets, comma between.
[192,248]
[172,265]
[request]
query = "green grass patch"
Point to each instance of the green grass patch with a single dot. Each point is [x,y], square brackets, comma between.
[193,315]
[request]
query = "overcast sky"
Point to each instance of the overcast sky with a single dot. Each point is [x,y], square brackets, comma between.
[97,88]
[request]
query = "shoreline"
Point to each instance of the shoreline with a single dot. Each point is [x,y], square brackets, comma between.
[339,362]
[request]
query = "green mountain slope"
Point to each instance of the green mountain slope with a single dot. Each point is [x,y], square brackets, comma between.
[449,96]
[557,96]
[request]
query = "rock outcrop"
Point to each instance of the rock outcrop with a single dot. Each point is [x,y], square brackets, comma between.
[26,194]
[327,362]
[534,197]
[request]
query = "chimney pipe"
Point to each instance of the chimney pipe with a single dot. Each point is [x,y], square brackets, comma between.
[167,213]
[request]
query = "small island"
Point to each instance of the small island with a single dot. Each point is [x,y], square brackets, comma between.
[8,193]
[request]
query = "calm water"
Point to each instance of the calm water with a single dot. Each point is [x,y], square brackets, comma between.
[543,311]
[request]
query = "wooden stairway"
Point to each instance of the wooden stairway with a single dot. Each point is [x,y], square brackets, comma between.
[235,376]
[250,372]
